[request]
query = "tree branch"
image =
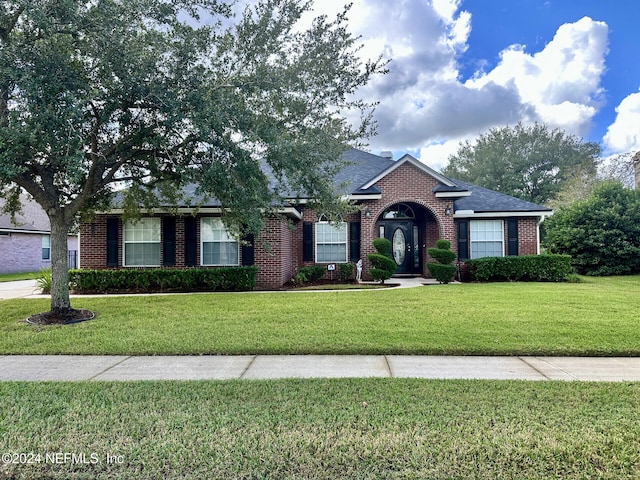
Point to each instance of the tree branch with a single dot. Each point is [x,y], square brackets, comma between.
[5,31]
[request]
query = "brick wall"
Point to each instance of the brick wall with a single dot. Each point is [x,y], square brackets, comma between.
[527,236]
[274,254]
[93,244]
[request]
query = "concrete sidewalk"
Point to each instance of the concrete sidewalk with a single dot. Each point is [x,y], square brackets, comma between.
[81,368]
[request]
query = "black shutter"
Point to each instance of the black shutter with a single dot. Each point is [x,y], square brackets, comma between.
[169,241]
[354,241]
[112,242]
[248,256]
[463,240]
[307,242]
[190,242]
[512,236]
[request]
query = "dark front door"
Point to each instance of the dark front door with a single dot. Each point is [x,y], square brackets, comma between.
[405,245]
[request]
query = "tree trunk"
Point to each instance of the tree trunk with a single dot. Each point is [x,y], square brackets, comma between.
[60,303]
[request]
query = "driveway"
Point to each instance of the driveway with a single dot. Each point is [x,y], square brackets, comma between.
[18,289]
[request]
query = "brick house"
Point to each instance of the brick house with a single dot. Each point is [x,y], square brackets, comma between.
[25,245]
[404,200]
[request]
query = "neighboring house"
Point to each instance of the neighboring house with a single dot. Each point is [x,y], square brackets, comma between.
[405,201]
[25,246]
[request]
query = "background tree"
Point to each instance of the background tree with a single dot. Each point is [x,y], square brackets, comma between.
[528,162]
[582,184]
[602,233]
[147,94]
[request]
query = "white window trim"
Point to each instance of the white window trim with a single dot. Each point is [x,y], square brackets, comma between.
[125,242]
[346,242]
[202,242]
[471,222]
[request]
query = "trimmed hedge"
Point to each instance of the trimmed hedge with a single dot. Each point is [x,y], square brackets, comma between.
[527,268]
[163,280]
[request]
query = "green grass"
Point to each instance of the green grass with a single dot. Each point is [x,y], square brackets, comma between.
[597,317]
[312,429]
[12,277]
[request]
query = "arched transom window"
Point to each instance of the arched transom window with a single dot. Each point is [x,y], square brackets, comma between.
[399,210]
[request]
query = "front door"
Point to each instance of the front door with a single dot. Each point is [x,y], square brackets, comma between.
[405,245]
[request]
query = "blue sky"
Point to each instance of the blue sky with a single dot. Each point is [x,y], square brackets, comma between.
[496,23]
[461,67]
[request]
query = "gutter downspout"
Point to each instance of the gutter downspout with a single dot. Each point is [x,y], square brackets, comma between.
[538,223]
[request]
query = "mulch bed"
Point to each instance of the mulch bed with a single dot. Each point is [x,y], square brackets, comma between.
[72,316]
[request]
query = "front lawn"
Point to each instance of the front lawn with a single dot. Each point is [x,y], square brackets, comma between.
[12,277]
[597,317]
[317,429]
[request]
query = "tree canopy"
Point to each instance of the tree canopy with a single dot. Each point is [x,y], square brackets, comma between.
[527,162]
[154,94]
[601,233]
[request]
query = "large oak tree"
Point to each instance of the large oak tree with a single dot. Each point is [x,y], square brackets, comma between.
[153,94]
[528,162]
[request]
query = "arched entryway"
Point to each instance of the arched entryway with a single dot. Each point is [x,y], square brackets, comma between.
[405,226]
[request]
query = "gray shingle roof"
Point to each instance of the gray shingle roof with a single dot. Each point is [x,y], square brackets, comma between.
[363,167]
[484,200]
[32,218]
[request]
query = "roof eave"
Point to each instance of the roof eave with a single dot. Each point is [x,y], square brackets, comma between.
[465,193]
[501,214]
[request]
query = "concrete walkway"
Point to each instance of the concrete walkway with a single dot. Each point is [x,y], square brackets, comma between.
[109,368]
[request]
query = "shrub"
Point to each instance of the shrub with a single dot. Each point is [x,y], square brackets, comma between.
[528,268]
[383,264]
[312,273]
[345,272]
[601,233]
[43,280]
[159,280]
[382,246]
[443,271]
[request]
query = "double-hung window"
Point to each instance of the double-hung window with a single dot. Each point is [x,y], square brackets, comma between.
[487,238]
[142,242]
[331,242]
[46,247]
[218,247]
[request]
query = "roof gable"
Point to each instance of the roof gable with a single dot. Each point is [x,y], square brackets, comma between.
[409,159]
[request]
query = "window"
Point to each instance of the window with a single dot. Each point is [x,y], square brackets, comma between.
[46,247]
[218,247]
[331,242]
[487,238]
[399,210]
[142,242]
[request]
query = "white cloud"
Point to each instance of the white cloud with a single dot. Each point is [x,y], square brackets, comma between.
[425,105]
[436,154]
[561,82]
[623,135]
